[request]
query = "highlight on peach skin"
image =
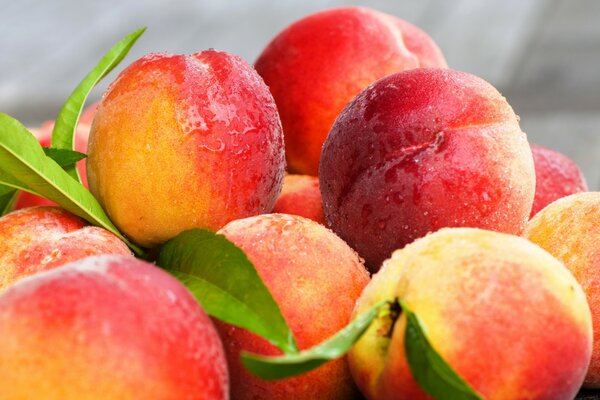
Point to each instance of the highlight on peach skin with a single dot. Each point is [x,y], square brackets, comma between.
[42,238]
[306,267]
[167,136]
[486,301]
[421,150]
[569,229]
[107,327]
[320,62]
[301,196]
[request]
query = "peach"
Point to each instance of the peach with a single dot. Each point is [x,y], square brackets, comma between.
[42,238]
[505,314]
[180,142]
[301,196]
[306,268]
[319,63]
[569,229]
[44,136]
[107,327]
[556,176]
[421,150]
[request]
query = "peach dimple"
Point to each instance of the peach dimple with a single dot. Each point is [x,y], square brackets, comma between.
[486,301]
[421,150]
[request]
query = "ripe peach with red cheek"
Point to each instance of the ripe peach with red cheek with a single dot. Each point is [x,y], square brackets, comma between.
[180,142]
[319,63]
[556,176]
[505,314]
[569,229]
[301,196]
[306,267]
[42,238]
[107,327]
[421,150]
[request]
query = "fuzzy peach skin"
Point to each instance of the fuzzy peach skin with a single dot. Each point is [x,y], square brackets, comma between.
[315,278]
[421,150]
[569,229]
[301,196]
[42,238]
[180,142]
[319,63]
[505,314]
[44,136]
[556,176]
[107,327]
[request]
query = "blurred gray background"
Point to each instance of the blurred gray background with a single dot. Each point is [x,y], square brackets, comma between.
[543,55]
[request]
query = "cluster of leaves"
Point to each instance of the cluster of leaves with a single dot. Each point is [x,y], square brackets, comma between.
[217,272]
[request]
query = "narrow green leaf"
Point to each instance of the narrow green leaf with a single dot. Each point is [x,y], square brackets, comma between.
[225,282]
[430,370]
[63,134]
[63,157]
[23,165]
[288,365]
[8,198]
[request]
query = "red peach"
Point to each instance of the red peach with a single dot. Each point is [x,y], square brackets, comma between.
[505,314]
[107,327]
[556,176]
[421,150]
[301,196]
[43,238]
[569,229]
[319,63]
[306,267]
[180,142]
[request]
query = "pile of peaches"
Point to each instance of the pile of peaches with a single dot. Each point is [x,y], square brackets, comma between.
[351,166]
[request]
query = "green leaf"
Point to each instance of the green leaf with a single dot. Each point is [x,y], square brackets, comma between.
[288,365]
[8,198]
[430,370]
[63,134]
[63,157]
[23,165]
[225,282]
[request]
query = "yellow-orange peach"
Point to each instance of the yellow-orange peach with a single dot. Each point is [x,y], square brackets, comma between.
[44,136]
[319,63]
[315,278]
[180,142]
[505,314]
[107,327]
[42,238]
[301,196]
[569,229]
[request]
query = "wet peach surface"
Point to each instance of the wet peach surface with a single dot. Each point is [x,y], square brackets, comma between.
[315,278]
[185,141]
[509,317]
[319,63]
[421,150]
